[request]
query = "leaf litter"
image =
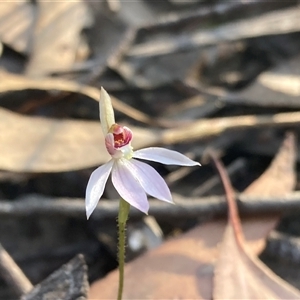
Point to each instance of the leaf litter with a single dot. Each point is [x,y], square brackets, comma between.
[20,151]
[190,260]
[57,46]
[17,37]
[108,45]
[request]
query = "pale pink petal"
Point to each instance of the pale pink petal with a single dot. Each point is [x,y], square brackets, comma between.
[95,187]
[150,180]
[128,135]
[128,186]
[109,143]
[164,156]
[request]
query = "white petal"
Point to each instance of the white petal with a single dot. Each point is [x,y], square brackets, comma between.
[128,186]
[107,116]
[150,180]
[164,156]
[95,187]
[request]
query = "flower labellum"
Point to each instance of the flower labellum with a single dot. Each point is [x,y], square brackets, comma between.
[132,178]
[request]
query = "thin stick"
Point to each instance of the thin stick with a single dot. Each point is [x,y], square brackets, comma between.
[212,127]
[13,275]
[185,207]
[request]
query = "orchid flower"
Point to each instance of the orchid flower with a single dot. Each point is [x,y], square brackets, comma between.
[132,178]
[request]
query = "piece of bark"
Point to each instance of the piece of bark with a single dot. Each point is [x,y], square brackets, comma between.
[69,283]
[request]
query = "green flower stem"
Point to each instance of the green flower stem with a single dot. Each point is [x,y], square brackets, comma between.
[124,208]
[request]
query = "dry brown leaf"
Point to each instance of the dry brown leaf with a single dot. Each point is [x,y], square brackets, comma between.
[16,22]
[280,178]
[34,144]
[238,273]
[182,268]
[56,41]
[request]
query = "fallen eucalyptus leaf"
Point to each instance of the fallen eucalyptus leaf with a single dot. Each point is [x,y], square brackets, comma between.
[36,144]
[238,273]
[280,177]
[57,40]
[182,268]
[16,22]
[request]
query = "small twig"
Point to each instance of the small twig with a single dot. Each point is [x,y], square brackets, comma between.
[185,207]
[211,127]
[13,275]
